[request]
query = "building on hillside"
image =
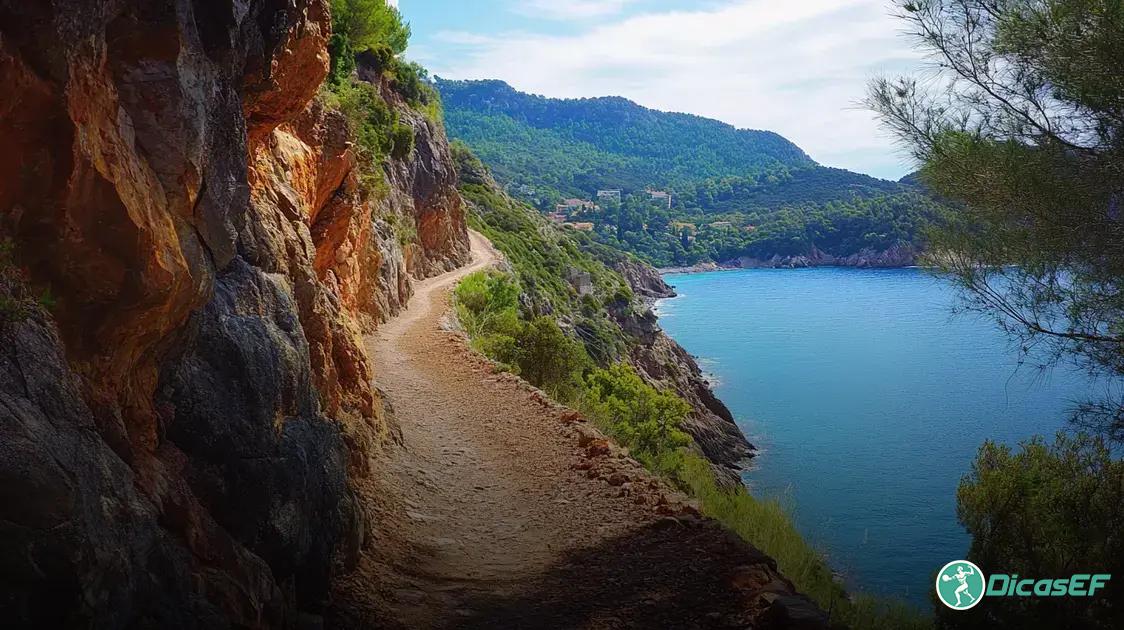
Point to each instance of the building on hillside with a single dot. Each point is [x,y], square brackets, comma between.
[558,217]
[721,224]
[575,205]
[581,227]
[679,226]
[582,281]
[660,195]
[614,195]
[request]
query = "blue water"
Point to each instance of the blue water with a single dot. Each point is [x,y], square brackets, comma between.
[868,400]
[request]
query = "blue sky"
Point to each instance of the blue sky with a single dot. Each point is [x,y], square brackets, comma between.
[798,68]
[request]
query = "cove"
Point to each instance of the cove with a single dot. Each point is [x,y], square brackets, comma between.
[868,399]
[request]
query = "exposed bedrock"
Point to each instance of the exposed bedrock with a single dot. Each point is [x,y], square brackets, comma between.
[182,424]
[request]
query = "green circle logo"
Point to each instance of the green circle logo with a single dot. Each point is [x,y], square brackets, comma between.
[960,585]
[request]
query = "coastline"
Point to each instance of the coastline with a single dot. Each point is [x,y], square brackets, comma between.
[897,257]
[696,268]
[665,363]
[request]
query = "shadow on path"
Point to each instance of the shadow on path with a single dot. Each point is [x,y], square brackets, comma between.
[666,575]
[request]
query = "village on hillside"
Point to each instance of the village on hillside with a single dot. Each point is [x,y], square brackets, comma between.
[584,214]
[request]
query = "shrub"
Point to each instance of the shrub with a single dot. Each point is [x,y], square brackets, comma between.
[500,348]
[548,358]
[639,416]
[1049,510]
[369,24]
[402,139]
[342,59]
[488,303]
[373,125]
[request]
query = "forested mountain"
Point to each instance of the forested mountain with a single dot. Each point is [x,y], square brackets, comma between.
[583,144]
[735,194]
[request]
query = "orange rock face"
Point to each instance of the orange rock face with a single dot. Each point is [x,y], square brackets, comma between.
[309,222]
[194,412]
[128,200]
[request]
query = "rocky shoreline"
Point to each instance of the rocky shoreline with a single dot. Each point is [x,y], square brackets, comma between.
[894,258]
[663,361]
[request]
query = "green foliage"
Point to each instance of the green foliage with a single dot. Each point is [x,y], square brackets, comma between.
[542,255]
[376,127]
[372,120]
[549,359]
[369,24]
[502,349]
[1045,511]
[576,145]
[488,303]
[411,81]
[638,416]
[840,228]
[487,307]
[375,30]
[402,141]
[1030,141]
[342,59]
[372,123]
[778,201]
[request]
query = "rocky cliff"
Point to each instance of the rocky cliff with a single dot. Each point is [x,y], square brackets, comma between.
[181,421]
[665,363]
[644,279]
[544,254]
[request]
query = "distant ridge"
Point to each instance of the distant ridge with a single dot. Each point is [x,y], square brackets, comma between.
[693,190]
[631,145]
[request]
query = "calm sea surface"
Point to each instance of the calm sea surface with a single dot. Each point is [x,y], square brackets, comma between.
[867,399]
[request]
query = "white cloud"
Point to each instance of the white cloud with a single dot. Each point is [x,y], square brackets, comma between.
[570,9]
[797,68]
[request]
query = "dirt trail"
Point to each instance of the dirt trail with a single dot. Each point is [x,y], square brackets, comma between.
[496,512]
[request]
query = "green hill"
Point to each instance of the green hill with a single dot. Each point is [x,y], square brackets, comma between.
[767,197]
[581,145]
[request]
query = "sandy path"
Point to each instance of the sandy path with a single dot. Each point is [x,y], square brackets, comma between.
[489,514]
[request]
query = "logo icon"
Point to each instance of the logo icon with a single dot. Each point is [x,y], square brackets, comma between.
[960,585]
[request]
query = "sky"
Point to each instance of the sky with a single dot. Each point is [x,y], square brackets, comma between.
[799,68]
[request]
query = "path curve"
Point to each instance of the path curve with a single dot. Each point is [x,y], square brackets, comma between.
[499,510]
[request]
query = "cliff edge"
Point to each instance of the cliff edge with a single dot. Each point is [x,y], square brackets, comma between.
[183,411]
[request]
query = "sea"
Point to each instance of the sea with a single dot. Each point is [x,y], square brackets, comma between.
[867,396]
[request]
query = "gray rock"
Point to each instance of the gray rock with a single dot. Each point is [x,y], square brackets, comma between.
[664,363]
[79,545]
[263,460]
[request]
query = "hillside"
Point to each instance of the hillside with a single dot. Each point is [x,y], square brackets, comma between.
[578,146]
[611,317]
[206,419]
[573,317]
[770,203]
